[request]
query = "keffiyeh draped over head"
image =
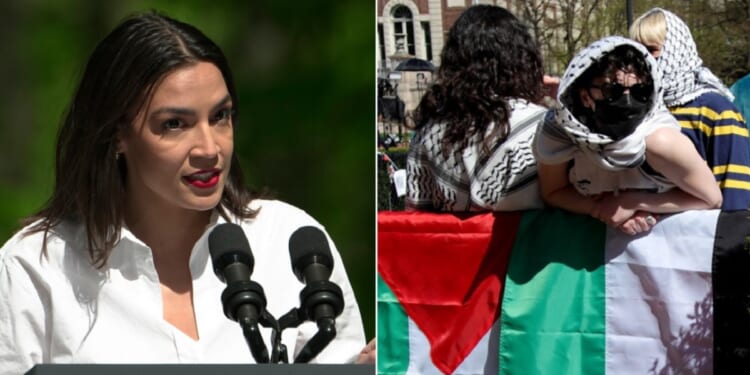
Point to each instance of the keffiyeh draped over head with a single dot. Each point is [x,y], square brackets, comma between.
[684,77]
[562,134]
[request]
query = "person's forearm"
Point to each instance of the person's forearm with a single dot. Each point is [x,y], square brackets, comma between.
[571,200]
[674,200]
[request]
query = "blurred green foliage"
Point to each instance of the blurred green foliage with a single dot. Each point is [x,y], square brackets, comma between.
[305,75]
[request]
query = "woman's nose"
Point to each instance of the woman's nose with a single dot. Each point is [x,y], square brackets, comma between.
[205,141]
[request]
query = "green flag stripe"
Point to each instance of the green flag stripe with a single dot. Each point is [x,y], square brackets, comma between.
[393,333]
[565,250]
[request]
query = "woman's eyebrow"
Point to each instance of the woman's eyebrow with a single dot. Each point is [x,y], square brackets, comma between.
[222,102]
[187,111]
[173,110]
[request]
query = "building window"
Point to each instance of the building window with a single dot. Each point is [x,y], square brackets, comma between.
[381,42]
[403,30]
[427,40]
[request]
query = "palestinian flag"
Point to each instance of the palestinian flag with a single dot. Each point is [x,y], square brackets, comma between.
[549,292]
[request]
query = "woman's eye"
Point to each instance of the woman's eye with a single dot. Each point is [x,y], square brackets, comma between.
[172,124]
[223,116]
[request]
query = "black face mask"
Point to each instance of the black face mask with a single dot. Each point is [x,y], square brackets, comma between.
[618,118]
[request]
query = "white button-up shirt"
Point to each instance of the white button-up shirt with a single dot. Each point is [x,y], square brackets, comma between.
[57,308]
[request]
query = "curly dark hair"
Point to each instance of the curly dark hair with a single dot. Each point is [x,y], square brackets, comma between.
[489,57]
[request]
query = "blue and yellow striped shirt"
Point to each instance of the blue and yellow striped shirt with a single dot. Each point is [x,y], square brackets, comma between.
[720,135]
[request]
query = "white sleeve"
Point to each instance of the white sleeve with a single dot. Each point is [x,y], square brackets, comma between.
[551,144]
[22,317]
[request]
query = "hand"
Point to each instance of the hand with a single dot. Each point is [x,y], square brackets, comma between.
[640,222]
[611,209]
[551,80]
[367,355]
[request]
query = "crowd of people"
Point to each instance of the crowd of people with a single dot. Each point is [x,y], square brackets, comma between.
[640,127]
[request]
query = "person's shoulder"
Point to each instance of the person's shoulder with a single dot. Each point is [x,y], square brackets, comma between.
[277,219]
[714,101]
[661,144]
[429,131]
[27,243]
[419,134]
[427,139]
[274,206]
[550,124]
[663,116]
[272,210]
[741,85]
[525,119]
[22,241]
[524,108]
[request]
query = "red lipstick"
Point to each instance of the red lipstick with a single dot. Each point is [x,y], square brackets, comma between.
[204,179]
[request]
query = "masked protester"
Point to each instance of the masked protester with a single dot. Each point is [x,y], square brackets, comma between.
[612,150]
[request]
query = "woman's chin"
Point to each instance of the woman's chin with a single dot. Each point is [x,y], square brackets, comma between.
[206,203]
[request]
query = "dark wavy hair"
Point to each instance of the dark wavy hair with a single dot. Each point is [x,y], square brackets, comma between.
[118,80]
[489,57]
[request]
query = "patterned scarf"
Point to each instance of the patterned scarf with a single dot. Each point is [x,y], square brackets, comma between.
[684,77]
[562,134]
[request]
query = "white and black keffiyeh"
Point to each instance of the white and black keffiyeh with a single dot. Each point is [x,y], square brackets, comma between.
[600,163]
[684,77]
[564,134]
[471,179]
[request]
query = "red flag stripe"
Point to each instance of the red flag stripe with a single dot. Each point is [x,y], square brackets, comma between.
[451,282]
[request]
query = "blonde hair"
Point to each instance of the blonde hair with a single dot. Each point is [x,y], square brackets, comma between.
[650,28]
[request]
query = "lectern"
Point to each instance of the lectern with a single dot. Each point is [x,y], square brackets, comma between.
[183,369]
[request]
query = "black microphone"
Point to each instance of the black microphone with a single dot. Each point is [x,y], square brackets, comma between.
[243,300]
[311,256]
[321,300]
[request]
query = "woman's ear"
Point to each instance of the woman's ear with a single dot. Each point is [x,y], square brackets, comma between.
[120,144]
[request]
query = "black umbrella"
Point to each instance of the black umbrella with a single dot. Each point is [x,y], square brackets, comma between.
[414,65]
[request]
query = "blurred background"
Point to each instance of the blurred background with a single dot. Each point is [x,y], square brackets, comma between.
[304,71]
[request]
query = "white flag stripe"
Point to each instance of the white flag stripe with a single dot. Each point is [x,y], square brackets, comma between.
[658,307]
[482,359]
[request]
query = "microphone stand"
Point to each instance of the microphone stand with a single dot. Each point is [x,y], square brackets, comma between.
[293,319]
[254,340]
[278,350]
[241,301]
[322,301]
